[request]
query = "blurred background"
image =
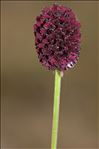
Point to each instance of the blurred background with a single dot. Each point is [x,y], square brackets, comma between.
[27,87]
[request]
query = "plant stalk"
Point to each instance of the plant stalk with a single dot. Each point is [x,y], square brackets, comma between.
[57,88]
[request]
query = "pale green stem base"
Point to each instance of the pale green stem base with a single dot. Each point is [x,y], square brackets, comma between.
[57,88]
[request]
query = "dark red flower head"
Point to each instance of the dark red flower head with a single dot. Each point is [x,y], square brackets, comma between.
[57,37]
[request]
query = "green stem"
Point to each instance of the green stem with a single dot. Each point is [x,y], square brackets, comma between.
[57,88]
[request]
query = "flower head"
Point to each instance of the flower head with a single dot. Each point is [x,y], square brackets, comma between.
[57,37]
